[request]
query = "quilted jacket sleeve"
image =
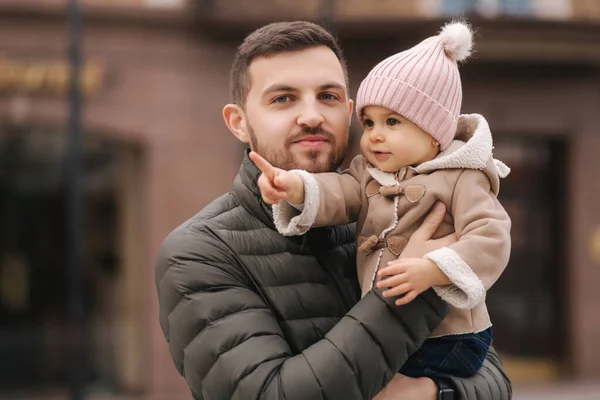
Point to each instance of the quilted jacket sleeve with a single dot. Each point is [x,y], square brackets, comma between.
[490,382]
[227,343]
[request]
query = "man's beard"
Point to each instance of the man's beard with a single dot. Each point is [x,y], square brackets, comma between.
[287,160]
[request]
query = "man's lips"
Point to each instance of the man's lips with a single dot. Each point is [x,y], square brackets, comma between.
[311,138]
[312,141]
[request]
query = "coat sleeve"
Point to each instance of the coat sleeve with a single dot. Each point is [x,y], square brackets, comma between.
[329,199]
[227,343]
[481,254]
[490,382]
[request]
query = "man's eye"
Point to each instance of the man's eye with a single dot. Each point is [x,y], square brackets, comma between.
[281,99]
[328,96]
[392,121]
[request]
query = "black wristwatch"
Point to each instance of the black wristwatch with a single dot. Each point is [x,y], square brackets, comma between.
[445,389]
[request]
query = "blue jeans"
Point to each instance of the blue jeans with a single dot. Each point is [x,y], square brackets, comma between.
[457,355]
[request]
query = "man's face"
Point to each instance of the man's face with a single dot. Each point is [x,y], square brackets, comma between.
[297,111]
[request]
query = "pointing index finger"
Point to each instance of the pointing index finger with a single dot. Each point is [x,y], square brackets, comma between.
[263,165]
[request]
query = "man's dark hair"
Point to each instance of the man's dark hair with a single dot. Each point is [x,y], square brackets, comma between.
[278,37]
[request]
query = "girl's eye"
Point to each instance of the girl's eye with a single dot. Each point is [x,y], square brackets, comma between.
[368,122]
[392,121]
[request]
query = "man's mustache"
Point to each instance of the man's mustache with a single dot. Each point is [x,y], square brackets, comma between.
[309,131]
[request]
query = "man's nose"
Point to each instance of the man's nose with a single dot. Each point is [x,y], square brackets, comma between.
[310,115]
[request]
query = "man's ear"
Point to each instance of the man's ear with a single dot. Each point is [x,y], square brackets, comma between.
[351,106]
[235,119]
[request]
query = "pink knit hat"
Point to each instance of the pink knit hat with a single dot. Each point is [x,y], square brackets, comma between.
[422,83]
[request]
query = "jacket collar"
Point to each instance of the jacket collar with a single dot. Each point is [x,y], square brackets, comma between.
[246,190]
[471,149]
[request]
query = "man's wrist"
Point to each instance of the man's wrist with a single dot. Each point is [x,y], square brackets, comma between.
[445,390]
[431,388]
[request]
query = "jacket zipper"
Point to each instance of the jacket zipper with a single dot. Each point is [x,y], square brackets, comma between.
[339,293]
[331,280]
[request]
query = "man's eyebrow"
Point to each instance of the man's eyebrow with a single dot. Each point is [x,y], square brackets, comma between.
[332,85]
[279,88]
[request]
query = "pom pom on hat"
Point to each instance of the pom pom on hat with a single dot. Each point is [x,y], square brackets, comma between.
[408,82]
[458,40]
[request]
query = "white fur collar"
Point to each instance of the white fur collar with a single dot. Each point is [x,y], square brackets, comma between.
[471,148]
[384,178]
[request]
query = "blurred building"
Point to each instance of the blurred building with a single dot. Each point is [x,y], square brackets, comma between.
[157,151]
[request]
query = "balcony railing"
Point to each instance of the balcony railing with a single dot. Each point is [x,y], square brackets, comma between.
[349,11]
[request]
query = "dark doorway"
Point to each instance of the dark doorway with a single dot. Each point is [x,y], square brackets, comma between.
[33,281]
[527,304]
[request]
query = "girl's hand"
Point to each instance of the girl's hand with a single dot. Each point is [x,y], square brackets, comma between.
[276,184]
[410,277]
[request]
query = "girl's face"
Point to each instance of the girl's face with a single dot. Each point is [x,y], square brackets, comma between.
[391,142]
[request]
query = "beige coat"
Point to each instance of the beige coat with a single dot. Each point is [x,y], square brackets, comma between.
[388,208]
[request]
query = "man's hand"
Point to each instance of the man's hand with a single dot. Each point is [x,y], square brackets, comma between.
[421,243]
[411,277]
[404,388]
[276,184]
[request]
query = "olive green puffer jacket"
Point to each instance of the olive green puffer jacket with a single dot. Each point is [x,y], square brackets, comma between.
[250,314]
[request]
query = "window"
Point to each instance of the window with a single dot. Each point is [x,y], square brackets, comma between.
[34,315]
[487,7]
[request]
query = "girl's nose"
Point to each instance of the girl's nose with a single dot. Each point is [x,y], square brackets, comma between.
[376,136]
